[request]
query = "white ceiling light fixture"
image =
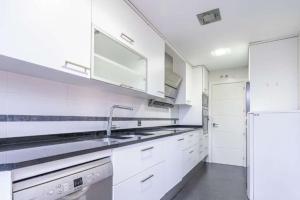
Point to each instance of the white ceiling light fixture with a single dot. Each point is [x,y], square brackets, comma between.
[221,52]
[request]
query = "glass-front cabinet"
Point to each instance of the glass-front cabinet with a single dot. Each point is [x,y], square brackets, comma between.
[116,63]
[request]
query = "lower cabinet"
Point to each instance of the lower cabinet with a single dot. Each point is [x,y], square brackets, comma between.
[174,161]
[131,160]
[147,171]
[148,185]
[205,144]
[190,158]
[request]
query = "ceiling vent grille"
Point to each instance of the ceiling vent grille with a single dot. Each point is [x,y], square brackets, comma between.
[209,16]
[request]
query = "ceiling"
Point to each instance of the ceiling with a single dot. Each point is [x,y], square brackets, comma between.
[243,21]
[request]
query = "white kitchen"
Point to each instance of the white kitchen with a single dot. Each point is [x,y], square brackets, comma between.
[149,100]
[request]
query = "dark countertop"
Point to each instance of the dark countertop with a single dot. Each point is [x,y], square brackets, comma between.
[26,151]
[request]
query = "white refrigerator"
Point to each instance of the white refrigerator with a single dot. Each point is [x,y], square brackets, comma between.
[273,156]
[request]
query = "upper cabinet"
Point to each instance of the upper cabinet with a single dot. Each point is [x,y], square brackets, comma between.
[54,34]
[184,96]
[273,70]
[193,114]
[115,63]
[205,79]
[118,21]
[99,39]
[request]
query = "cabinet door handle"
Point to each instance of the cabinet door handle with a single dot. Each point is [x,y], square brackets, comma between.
[79,68]
[127,38]
[130,87]
[180,139]
[147,149]
[146,179]
[191,151]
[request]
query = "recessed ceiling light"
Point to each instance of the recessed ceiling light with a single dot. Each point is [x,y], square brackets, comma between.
[221,52]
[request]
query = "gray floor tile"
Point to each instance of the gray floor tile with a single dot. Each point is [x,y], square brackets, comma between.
[216,182]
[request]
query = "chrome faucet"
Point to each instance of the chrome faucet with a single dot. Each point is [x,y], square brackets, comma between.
[109,124]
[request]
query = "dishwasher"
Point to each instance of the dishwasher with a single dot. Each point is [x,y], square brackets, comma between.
[88,181]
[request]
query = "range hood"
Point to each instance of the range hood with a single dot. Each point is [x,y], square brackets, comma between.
[172,83]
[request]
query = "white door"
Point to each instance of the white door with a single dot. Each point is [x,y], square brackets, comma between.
[228,127]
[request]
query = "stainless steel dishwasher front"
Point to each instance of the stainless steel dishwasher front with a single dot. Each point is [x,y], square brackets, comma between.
[88,181]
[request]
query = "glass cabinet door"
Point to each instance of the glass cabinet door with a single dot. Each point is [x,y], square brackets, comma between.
[117,64]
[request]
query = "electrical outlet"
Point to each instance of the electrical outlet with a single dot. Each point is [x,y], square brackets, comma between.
[139,123]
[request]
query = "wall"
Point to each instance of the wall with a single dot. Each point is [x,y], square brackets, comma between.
[25,95]
[234,74]
[274,75]
[299,73]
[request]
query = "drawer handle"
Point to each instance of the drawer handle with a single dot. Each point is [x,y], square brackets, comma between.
[161,92]
[147,149]
[191,135]
[180,139]
[127,38]
[84,68]
[146,179]
[191,151]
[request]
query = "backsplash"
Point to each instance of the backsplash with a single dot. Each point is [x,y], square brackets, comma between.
[26,102]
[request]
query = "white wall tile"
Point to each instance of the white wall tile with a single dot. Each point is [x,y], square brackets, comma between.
[17,129]
[3,129]
[25,95]
[3,81]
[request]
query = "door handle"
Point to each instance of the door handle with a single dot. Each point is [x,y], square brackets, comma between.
[215,125]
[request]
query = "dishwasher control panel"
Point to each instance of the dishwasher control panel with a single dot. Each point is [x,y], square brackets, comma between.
[64,186]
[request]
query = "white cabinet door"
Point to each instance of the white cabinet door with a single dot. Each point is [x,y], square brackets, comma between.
[184,96]
[189,159]
[118,20]
[189,84]
[112,17]
[193,115]
[174,161]
[201,146]
[148,185]
[156,66]
[205,145]
[47,33]
[205,81]
[273,72]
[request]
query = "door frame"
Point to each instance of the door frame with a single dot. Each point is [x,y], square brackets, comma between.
[211,84]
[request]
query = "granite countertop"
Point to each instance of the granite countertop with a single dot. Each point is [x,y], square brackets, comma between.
[26,151]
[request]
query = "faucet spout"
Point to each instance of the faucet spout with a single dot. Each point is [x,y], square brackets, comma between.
[109,123]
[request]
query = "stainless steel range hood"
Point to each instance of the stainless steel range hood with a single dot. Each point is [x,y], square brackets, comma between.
[172,83]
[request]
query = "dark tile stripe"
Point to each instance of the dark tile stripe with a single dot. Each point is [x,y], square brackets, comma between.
[43,118]
[3,118]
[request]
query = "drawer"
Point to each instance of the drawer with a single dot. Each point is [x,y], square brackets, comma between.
[180,142]
[189,139]
[147,185]
[131,160]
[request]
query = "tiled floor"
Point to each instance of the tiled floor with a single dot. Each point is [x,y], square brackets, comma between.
[216,182]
